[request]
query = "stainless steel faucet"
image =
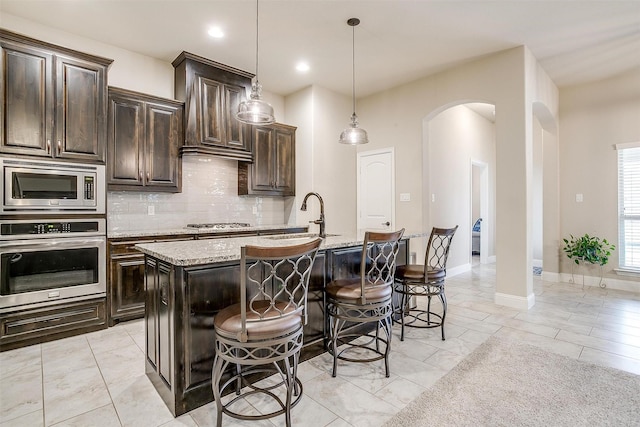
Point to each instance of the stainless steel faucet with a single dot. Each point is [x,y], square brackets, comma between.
[319,221]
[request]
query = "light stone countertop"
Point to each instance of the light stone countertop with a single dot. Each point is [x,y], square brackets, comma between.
[119,234]
[199,252]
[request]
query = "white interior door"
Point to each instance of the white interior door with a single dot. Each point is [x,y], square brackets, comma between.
[376,190]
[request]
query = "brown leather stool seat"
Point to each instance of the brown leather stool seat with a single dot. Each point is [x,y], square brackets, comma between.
[228,322]
[416,272]
[364,300]
[425,281]
[350,290]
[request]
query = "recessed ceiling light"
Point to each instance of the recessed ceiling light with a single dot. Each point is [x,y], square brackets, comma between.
[216,32]
[303,67]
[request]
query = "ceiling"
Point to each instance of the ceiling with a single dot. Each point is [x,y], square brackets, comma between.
[398,41]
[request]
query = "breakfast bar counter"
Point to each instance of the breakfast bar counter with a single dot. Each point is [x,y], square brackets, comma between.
[188,282]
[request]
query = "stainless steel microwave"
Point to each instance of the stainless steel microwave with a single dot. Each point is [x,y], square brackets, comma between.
[34,186]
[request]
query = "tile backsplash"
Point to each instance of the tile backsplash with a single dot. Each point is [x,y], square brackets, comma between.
[209,194]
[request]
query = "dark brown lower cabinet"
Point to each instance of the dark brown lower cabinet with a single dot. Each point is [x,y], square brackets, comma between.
[126,277]
[32,326]
[181,303]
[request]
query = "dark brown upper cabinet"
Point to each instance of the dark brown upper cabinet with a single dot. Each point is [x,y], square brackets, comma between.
[144,138]
[273,171]
[212,92]
[54,100]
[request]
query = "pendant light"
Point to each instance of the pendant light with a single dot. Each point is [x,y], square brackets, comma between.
[354,135]
[255,111]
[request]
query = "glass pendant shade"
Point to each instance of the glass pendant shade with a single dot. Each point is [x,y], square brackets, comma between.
[255,111]
[353,135]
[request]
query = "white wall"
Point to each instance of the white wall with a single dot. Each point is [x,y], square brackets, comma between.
[322,164]
[129,70]
[537,179]
[593,118]
[475,194]
[456,137]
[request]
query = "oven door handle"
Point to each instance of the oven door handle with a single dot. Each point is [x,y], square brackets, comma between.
[50,243]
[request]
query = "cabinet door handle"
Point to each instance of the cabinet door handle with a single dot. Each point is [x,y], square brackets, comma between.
[163,293]
[59,146]
[148,176]
[48,146]
[140,176]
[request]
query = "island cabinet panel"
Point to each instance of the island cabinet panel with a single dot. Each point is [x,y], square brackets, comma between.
[314,330]
[151,319]
[54,100]
[181,304]
[212,93]
[205,291]
[160,344]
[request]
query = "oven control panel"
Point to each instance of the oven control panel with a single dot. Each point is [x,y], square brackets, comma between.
[30,229]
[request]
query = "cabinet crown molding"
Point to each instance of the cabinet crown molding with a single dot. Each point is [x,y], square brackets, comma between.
[20,38]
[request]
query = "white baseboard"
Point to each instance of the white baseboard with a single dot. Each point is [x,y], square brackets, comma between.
[514,301]
[491,259]
[458,270]
[621,285]
[549,276]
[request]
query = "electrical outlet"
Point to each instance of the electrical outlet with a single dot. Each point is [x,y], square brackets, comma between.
[151,210]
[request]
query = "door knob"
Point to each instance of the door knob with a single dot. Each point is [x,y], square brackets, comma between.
[386,223]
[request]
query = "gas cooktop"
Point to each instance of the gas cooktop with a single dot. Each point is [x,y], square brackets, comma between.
[220,225]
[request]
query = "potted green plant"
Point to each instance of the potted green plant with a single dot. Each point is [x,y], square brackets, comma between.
[588,249]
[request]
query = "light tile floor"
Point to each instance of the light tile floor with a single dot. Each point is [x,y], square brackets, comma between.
[98,379]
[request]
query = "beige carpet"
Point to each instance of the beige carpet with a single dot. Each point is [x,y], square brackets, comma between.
[508,383]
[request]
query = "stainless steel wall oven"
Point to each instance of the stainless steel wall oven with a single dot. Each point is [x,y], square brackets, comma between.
[47,261]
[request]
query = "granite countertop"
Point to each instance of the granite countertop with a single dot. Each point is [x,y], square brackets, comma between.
[199,252]
[119,234]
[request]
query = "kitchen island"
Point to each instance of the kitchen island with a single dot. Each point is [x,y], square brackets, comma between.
[188,282]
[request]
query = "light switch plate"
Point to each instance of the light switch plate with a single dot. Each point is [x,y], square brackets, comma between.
[579,197]
[151,210]
[405,197]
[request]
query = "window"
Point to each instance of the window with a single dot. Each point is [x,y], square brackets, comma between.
[629,205]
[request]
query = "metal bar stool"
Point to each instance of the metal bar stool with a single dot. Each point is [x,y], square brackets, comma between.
[425,280]
[362,300]
[263,333]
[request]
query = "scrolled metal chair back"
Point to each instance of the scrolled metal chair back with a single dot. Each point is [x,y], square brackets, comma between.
[438,249]
[274,281]
[379,253]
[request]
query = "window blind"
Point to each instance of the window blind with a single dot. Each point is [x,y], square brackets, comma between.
[629,206]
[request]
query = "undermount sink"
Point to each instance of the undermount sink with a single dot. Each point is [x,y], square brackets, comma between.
[296,236]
